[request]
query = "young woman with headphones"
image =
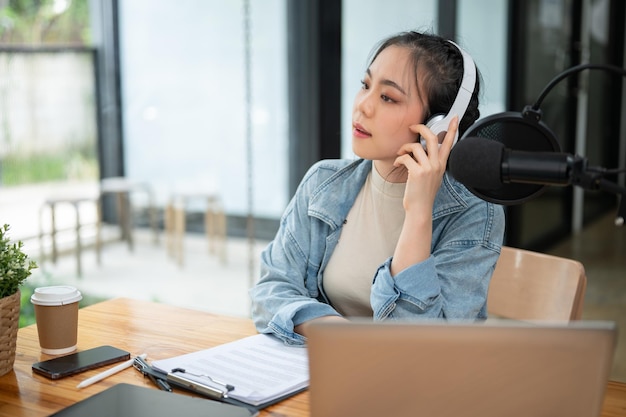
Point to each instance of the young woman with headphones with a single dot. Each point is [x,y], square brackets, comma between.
[390,235]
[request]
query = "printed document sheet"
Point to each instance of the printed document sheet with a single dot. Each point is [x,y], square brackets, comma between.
[261,368]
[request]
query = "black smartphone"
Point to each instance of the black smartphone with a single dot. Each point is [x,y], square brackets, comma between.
[80,361]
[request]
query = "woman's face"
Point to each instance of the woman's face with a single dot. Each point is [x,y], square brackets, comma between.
[387,104]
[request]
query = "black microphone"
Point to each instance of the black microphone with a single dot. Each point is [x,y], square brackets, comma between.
[485,164]
[490,171]
[481,169]
[511,157]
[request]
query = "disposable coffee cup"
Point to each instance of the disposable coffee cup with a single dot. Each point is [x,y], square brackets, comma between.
[56,314]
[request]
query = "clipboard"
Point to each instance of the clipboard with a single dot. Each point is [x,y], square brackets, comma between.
[262,369]
[177,379]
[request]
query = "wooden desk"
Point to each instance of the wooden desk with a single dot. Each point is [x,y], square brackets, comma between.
[161,331]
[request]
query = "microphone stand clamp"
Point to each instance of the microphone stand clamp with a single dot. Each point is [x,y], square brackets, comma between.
[593,179]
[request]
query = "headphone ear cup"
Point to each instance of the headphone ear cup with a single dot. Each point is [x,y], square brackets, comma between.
[434,119]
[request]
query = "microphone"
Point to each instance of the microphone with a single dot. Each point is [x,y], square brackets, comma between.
[511,157]
[498,174]
[520,131]
[484,164]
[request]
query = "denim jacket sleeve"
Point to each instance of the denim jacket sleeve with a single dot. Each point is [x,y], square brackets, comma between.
[453,281]
[282,298]
[288,293]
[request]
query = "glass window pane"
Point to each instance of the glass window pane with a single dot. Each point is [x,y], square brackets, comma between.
[47,116]
[184,101]
[482,31]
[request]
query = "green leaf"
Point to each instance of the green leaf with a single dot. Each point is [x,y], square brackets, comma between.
[15,266]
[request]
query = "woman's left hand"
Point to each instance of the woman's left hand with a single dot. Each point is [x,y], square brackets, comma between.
[425,167]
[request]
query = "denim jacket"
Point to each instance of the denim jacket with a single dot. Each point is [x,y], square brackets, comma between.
[452,283]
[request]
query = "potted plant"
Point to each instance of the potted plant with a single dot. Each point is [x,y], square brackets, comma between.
[15,267]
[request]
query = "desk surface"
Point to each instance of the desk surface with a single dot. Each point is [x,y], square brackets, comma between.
[161,331]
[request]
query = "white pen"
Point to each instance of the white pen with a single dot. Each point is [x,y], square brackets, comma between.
[109,372]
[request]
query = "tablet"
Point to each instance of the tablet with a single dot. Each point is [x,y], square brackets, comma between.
[127,400]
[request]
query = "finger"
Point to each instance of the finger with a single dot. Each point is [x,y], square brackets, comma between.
[415,152]
[417,128]
[405,160]
[411,147]
[422,132]
[448,141]
[427,138]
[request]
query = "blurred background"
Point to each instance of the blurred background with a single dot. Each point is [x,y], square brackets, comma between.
[220,106]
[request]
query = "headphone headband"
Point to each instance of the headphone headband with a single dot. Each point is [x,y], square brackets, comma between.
[463,97]
[467,85]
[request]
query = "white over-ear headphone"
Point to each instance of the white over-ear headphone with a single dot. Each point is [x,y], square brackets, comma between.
[439,122]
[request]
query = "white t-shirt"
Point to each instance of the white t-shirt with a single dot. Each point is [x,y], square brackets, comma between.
[367,239]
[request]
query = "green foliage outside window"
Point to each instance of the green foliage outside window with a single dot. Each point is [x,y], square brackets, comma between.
[73,164]
[37,22]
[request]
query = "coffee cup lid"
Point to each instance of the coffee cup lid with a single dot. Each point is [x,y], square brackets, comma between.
[55,295]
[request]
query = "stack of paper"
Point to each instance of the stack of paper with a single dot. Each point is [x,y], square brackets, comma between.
[261,368]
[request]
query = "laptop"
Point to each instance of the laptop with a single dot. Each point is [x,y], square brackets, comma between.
[448,369]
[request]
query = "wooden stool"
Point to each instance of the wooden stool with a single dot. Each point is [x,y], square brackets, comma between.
[214,224]
[122,187]
[52,204]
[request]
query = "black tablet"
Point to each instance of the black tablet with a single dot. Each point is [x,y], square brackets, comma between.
[126,400]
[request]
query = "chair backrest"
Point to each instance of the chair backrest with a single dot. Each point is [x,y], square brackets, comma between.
[529,285]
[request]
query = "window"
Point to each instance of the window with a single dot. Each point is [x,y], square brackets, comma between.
[184,99]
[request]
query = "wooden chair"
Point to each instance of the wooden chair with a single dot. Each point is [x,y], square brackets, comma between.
[529,286]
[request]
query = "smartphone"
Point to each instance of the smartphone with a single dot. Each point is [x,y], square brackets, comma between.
[80,361]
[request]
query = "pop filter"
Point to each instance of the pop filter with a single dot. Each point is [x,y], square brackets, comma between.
[517,131]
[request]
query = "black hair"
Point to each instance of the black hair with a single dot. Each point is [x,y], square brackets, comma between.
[438,66]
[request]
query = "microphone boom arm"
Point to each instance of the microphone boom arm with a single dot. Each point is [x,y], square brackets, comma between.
[574,70]
[581,177]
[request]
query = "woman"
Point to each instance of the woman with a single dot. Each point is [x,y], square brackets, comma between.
[390,235]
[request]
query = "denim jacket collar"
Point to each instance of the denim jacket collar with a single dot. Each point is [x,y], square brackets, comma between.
[333,208]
